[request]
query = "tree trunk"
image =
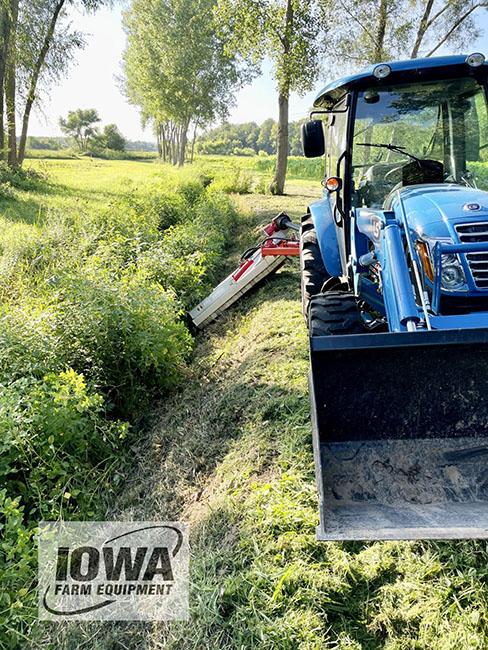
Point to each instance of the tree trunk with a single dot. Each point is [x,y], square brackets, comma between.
[173,144]
[4,39]
[278,183]
[10,87]
[158,140]
[10,103]
[424,23]
[35,78]
[193,143]
[183,143]
[380,32]
[2,130]
[162,132]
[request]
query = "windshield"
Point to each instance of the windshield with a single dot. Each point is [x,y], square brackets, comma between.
[419,133]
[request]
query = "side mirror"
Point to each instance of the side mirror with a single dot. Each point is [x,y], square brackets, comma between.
[313,140]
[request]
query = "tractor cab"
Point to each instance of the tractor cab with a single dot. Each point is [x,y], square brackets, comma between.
[406,137]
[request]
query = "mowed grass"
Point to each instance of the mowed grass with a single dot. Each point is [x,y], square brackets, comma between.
[231,453]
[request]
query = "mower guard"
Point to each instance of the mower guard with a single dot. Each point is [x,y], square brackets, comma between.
[400,433]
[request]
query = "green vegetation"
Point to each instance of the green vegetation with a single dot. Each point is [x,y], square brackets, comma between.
[290,34]
[58,143]
[80,127]
[112,138]
[262,167]
[182,81]
[47,144]
[37,46]
[99,262]
[248,139]
[397,30]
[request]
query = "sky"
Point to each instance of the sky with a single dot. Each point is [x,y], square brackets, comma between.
[92,83]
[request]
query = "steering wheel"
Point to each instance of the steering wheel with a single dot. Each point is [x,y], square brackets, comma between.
[392,171]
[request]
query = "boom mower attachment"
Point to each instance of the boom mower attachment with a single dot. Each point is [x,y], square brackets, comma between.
[255,265]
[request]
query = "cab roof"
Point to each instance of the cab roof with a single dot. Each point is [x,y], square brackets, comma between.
[429,69]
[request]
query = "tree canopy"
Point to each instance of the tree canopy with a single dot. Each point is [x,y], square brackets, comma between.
[80,125]
[175,69]
[370,31]
[112,138]
[286,31]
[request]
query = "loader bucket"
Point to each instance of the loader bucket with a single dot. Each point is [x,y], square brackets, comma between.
[400,433]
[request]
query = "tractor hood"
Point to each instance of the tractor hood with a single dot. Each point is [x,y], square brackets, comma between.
[451,214]
[432,210]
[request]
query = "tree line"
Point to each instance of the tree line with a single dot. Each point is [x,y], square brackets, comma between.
[57,143]
[247,139]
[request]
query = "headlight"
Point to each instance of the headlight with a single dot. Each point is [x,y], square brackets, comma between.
[453,277]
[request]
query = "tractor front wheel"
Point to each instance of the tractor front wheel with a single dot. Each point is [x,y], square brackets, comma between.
[334,313]
[312,270]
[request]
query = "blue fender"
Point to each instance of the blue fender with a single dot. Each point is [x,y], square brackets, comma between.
[325,228]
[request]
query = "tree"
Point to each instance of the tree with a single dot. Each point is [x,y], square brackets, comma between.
[265,141]
[370,31]
[10,85]
[113,138]
[176,70]
[79,125]
[4,38]
[36,48]
[287,32]
[43,53]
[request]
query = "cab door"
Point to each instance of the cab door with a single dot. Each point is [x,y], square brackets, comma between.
[335,165]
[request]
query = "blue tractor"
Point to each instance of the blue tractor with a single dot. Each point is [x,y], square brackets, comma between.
[394,270]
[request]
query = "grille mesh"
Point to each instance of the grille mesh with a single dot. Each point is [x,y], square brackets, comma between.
[470,233]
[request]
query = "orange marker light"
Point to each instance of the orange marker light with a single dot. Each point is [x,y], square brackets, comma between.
[333,184]
[423,249]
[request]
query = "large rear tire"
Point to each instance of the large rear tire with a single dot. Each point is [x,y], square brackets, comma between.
[312,270]
[334,313]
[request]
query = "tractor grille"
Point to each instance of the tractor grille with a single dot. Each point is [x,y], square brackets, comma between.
[469,233]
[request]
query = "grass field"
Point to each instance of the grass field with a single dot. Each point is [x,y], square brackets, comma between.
[230,450]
